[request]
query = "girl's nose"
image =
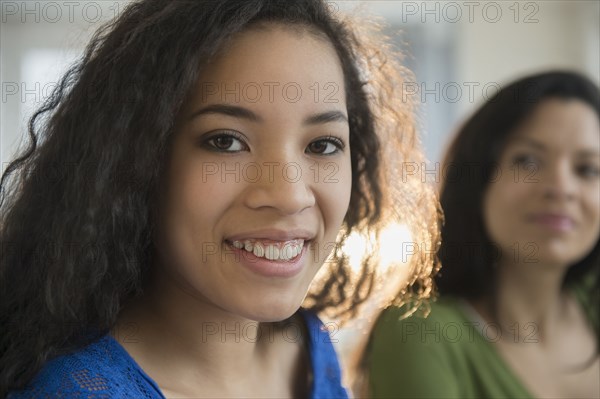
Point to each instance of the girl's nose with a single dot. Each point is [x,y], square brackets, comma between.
[283,186]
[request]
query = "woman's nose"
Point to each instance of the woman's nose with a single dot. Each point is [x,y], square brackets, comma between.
[559,182]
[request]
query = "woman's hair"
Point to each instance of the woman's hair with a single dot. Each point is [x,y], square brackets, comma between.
[467,252]
[79,204]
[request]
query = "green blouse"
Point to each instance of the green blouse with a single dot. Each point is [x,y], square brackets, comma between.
[445,355]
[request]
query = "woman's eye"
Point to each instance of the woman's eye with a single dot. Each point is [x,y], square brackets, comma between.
[327,146]
[525,161]
[588,171]
[225,142]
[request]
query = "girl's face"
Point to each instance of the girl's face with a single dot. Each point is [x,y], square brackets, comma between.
[260,177]
[544,206]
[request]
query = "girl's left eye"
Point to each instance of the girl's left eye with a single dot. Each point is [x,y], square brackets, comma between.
[225,142]
[328,146]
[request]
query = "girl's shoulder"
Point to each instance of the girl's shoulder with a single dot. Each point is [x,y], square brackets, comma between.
[320,339]
[327,378]
[102,369]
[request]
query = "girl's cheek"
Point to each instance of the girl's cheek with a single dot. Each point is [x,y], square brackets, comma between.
[337,191]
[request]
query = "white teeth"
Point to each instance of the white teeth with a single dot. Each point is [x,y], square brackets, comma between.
[258,250]
[272,251]
[288,251]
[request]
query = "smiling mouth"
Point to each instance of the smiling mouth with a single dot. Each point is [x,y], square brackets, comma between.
[270,250]
[553,222]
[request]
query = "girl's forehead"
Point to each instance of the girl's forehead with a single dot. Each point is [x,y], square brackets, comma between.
[274,53]
[269,66]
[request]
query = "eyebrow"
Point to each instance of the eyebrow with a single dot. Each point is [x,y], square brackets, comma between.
[536,144]
[244,113]
[531,143]
[326,117]
[229,110]
[588,153]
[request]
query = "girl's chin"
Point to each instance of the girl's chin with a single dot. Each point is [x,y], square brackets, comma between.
[270,314]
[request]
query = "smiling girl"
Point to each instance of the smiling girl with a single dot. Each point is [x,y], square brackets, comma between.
[208,154]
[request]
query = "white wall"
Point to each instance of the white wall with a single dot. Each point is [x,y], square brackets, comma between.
[38,41]
[469,45]
[566,35]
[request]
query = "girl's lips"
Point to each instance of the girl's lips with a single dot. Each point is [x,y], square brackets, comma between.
[558,223]
[274,235]
[270,268]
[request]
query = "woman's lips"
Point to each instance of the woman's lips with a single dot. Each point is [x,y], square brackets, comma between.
[554,222]
[270,268]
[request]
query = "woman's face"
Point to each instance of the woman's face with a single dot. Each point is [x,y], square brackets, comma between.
[544,207]
[260,177]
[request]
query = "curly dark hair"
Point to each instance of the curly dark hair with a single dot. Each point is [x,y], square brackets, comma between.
[79,204]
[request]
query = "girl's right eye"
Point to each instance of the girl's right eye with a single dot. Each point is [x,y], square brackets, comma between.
[225,142]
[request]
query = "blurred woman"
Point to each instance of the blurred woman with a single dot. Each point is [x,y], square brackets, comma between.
[519,290]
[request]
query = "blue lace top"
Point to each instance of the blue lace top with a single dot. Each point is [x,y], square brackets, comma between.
[105,370]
